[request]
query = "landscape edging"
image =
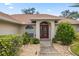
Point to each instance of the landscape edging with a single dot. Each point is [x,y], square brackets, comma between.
[71,51]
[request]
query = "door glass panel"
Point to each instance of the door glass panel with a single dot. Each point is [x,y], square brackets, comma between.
[44,31]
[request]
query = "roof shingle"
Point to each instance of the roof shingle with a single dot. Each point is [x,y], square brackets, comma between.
[6,16]
[28,17]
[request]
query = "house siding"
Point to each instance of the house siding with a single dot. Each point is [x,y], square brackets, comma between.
[76,27]
[9,28]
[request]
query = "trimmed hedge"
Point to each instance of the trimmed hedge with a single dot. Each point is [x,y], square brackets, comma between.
[65,33]
[9,45]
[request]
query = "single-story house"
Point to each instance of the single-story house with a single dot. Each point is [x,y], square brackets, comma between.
[37,25]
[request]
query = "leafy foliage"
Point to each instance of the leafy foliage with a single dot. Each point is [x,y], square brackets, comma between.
[76,37]
[65,33]
[27,39]
[69,14]
[34,41]
[9,45]
[30,11]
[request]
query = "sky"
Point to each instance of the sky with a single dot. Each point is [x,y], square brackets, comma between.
[43,8]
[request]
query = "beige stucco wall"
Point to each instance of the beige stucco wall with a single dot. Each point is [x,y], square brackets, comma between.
[10,28]
[22,29]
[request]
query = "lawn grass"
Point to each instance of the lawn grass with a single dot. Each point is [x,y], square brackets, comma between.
[75,48]
[75,44]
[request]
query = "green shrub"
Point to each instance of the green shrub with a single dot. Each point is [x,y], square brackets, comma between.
[65,33]
[26,38]
[77,37]
[9,45]
[34,41]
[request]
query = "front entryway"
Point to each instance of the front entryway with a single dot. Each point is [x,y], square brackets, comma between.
[45,43]
[44,30]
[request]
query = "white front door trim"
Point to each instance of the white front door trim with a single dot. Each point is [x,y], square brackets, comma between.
[51,29]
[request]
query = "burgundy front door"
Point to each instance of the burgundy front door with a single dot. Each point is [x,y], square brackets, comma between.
[44,31]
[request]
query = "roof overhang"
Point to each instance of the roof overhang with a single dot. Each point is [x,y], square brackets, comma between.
[9,20]
[45,19]
[71,21]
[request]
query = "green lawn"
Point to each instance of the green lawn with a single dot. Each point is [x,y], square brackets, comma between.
[75,48]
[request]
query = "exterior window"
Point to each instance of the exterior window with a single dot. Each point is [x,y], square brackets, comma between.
[30,30]
[29,27]
[31,34]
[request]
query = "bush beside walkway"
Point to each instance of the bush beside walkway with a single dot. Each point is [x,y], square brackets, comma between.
[10,44]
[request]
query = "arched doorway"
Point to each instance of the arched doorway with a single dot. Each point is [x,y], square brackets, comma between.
[44,30]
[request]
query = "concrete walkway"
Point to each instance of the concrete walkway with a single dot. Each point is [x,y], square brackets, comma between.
[47,49]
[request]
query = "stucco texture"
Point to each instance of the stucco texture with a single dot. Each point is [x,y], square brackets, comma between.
[9,28]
